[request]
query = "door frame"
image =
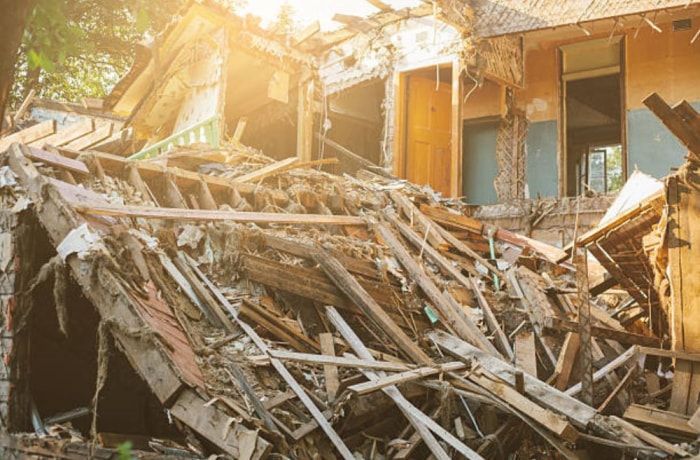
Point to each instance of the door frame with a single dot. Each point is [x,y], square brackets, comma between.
[562,145]
[400,87]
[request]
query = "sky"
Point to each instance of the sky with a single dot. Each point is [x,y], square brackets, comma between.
[307,11]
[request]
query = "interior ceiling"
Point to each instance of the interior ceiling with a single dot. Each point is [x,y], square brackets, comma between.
[593,102]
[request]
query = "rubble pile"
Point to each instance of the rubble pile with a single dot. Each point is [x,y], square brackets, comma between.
[277,310]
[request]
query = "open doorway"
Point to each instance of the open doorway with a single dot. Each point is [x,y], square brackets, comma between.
[593,115]
[429,151]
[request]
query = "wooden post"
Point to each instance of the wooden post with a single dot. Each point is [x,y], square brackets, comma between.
[584,320]
[305,120]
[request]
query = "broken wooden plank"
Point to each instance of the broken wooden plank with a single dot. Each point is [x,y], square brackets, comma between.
[403,377]
[674,122]
[315,412]
[492,322]
[350,286]
[330,372]
[237,375]
[537,390]
[548,419]
[630,338]
[28,135]
[213,424]
[670,422]
[459,221]
[651,439]
[340,361]
[58,161]
[456,318]
[66,135]
[525,352]
[603,371]
[269,170]
[421,422]
[566,360]
[205,215]
[620,386]
[99,134]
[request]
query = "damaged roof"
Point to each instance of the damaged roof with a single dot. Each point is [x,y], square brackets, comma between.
[500,17]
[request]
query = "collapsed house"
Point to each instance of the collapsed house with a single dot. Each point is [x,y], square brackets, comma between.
[167,284]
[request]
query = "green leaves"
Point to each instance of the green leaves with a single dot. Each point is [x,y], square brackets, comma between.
[79,48]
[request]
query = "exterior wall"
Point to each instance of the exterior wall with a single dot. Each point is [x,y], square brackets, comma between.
[7,301]
[666,63]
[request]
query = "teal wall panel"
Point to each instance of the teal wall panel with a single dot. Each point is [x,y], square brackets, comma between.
[541,172]
[479,166]
[652,147]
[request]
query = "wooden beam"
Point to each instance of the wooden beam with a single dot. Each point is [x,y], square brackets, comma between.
[561,324]
[213,424]
[340,361]
[305,120]
[237,375]
[674,122]
[603,371]
[525,352]
[269,170]
[670,422]
[421,422]
[330,372]
[66,135]
[403,377]
[204,215]
[620,386]
[349,285]
[651,439]
[686,111]
[566,360]
[455,318]
[58,161]
[28,135]
[548,419]
[99,134]
[535,389]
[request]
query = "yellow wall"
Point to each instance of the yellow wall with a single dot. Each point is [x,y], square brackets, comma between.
[538,98]
[486,101]
[664,62]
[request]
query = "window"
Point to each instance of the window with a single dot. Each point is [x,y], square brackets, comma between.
[600,169]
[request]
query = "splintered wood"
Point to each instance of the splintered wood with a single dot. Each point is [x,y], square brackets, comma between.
[336,317]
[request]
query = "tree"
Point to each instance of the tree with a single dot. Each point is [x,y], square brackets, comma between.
[80,48]
[12,23]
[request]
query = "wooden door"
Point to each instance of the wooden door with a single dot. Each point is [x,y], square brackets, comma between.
[429,121]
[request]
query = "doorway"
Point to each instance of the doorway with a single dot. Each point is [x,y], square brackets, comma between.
[593,117]
[427,153]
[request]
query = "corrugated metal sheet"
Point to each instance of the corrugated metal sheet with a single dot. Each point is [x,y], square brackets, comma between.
[500,17]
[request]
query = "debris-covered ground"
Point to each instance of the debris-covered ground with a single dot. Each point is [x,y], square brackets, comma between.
[273,309]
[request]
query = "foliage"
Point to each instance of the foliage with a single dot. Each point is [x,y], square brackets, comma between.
[287,22]
[124,451]
[80,48]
